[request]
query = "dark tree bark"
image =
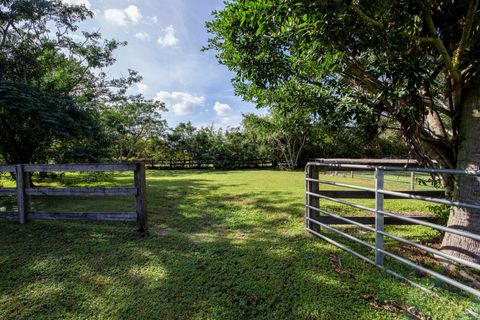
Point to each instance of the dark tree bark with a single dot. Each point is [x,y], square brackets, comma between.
[467,188]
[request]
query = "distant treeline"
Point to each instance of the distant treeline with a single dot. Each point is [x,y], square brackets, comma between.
[194,164]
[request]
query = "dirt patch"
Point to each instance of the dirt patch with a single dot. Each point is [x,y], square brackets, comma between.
[424,258]
[336,264]
[396,307]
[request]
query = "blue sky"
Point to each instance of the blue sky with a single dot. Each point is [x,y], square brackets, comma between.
[164,42]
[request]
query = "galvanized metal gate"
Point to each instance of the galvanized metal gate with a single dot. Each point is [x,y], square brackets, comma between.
[318,218]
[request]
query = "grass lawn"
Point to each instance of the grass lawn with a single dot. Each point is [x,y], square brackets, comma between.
[222,245]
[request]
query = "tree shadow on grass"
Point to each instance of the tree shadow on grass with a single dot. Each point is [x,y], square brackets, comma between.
[207,256]
[100,271]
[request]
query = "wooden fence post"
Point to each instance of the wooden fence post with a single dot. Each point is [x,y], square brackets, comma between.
[313,201]
[23,201]
[141,197]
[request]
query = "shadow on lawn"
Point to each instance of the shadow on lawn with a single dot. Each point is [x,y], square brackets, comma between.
[207,256]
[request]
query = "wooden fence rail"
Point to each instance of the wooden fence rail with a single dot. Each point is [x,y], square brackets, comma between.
[24,191]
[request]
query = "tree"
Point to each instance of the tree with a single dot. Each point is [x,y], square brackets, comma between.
[52,85]
[32,123]
[179,140]
[287,131]
[156,149]
[202,145]
[244,147]
[131,124]
[415,62]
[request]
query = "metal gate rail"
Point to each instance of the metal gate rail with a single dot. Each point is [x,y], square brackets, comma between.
[313,220]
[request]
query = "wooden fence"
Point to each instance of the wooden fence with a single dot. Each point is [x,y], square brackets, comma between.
[23,191]
[199,164]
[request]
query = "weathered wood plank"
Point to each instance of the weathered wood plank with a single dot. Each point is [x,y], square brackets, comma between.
[23,191]
[79,167]
[7,168]
[371,220]
[350,194]
[49,191]
[9,215]
[141,197]
[8,191]
[88,216]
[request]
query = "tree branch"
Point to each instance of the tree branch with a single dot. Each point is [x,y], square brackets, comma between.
[356,72]
[365,17]
[455,74]
[440,147]
[467,30]
[5,33]
[368,20]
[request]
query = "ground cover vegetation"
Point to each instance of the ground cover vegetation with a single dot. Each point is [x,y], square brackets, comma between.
[338,79]
[222,245]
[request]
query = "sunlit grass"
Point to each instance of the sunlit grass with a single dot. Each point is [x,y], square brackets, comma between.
[222,245]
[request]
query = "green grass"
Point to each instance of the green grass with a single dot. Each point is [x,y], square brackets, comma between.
[222,245]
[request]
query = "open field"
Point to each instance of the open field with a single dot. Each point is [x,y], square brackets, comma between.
[222,245]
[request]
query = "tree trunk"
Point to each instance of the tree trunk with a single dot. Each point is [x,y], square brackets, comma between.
[467,188]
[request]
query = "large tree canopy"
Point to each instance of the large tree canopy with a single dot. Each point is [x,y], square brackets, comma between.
[414,61]
[52,82]
[33,123]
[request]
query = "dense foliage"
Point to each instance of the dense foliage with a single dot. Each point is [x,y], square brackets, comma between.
[56,100]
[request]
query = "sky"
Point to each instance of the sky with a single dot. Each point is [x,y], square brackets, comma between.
[165,38]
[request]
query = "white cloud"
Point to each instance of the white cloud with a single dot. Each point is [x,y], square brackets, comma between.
[222,109]
[168,39]
[182,103]
[142,87]
[152,19]
[122,17]
[116,16]
[86,3]
[142,36]
[133,13]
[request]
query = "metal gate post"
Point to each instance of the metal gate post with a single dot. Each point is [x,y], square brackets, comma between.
[379,218]
[307,190]
[412,181]
[313,187]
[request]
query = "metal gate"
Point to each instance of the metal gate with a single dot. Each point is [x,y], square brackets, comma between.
[318,217]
